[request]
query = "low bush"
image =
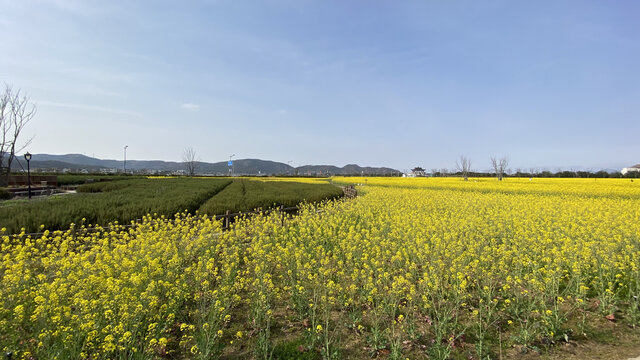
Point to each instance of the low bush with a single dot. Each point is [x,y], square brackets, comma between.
[4,194]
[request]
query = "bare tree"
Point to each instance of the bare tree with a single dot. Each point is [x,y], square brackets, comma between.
[190,159]
[16,111]
[464,166]
[499,166]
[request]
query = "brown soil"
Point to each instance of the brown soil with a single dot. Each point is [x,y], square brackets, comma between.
[621,343]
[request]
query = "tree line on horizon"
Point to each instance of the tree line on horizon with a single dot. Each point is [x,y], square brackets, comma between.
[532,174]
[500,170]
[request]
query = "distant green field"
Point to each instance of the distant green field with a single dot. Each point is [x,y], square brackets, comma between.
[247,195]
[105,202]
[127,200]
[78,179]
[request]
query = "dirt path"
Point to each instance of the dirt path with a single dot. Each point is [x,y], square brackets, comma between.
[625,346]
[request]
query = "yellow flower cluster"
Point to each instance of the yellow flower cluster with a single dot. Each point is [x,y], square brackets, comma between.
[117,292]
[410,260]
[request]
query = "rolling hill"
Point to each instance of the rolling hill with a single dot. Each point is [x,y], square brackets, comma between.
[76,162]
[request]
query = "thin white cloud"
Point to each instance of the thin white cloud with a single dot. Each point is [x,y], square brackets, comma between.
[283,111]
[190,107]
[89,108]
[97,74]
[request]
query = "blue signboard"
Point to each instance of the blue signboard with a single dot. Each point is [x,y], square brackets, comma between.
[230,163]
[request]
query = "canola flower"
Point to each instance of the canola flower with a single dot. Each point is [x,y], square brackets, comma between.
[412,267]
[117,293]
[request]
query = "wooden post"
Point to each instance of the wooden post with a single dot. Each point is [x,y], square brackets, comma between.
[226,219]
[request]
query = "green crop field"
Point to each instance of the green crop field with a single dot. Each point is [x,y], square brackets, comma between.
[105,202]
[78,179]
[127,200]
[247,195]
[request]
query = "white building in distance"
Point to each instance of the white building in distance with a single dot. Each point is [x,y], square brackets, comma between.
[630,169]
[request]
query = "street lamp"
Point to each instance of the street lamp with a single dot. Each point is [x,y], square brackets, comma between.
[124,166]
[27,157]
[230,163]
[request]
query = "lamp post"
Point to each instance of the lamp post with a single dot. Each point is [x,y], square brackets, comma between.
[27,157]
[231,165]
[124,166]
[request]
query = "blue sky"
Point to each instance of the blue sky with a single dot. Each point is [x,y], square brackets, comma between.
[379,83]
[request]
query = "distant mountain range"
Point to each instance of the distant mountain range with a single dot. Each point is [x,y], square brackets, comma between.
[78,162]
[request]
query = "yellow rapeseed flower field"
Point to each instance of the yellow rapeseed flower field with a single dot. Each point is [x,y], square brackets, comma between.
[412,268]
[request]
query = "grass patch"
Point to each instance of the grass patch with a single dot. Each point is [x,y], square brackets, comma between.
[294,349]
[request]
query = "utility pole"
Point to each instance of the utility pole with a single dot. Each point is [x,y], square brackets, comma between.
[124,167]
[27,157]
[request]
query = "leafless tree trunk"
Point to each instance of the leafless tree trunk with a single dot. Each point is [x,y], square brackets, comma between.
[190,159]
[464,166]
[499,166]
[15,113]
